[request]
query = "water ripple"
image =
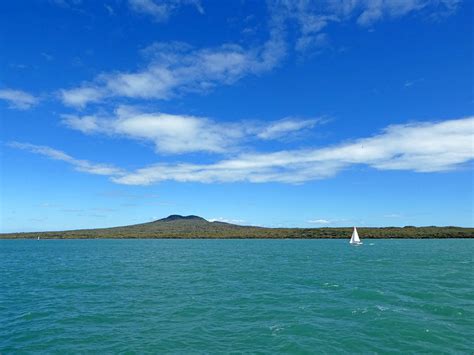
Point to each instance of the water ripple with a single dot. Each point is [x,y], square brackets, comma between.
[234,296]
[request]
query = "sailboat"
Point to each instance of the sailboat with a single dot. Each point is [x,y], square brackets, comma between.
[355,238]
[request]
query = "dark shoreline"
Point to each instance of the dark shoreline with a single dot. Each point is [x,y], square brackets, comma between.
[238,238]
[44,236]
[195,227]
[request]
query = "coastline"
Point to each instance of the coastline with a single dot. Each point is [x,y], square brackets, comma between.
[242,232]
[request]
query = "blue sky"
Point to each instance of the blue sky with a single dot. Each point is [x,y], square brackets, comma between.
[298,113]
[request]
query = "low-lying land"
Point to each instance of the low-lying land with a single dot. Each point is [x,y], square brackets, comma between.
[176,226]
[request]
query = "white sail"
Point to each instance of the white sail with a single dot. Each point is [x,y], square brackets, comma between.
[355,237]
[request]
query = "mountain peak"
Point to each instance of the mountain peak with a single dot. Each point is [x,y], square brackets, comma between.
[177,217]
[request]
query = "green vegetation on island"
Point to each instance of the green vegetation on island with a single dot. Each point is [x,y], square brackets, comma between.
[176,226]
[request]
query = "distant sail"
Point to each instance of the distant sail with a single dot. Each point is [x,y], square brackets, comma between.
[355,237]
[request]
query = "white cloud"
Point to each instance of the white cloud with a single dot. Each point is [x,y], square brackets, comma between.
[410,83]
[226,220]
[66,3]
[18,99]
[85,124]
[47,56]
[313,17]
[183,133]
[80,165]
[175,68]
[418,147]
[169,133]
[176,134]
[310,42]
[160,10]
[110,9]
[81,96]
[283,127]
[422,147]
[376,10]
[319,221]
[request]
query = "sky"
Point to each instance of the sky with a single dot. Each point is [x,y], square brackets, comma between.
[274,113]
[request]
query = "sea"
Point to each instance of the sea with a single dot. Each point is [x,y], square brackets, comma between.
[196,296]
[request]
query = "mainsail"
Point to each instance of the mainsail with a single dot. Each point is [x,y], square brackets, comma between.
[355,237]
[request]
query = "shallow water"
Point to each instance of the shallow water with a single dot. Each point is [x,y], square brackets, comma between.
[266,296]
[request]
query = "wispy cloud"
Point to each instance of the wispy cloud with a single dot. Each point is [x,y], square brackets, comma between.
[18,99]
[392,215]
[319,221]
[418,147]
[66,3]
[110,10]
[227,220]
[313,17]
[80,165]
[422,147]
[286,126]
[410,83]
[47,56]
[81,96]
[183,133]
[169,133]
[160,10]
[176,68]
[373,11]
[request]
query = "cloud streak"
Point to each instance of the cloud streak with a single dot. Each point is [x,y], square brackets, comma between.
[175,134]
[176,68]
[161,10]
[286,126]
[418,147]
[313,17]
[80,165]
[17,99]
[422,147]
[319,221]
[178,134]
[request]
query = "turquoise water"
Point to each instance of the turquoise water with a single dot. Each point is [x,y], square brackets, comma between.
[265,296]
